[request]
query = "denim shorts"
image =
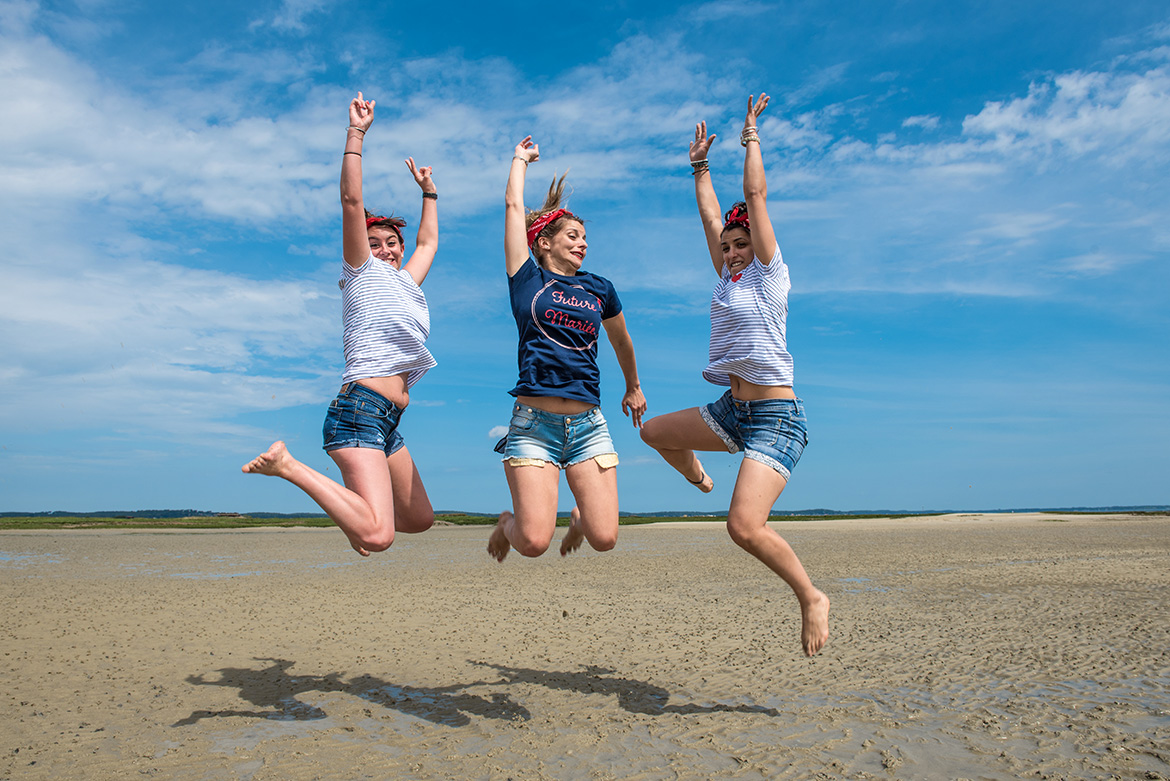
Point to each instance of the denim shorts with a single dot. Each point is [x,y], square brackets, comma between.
[563,440]
[771,431]
[360,417]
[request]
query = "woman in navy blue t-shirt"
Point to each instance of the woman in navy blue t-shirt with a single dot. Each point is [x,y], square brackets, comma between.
[556,422]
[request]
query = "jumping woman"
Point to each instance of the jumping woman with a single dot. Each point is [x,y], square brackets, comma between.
[386,323]
[556,422]
[759,414]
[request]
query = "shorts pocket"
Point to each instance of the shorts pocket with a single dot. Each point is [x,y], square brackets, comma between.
[522,420]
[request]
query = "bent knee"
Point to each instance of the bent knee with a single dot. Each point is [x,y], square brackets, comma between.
[651,432]
[531,547]
[743,532]
[378,541]
[604,542]
[415,523]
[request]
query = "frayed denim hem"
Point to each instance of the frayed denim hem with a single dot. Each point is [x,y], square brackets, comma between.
[709,419]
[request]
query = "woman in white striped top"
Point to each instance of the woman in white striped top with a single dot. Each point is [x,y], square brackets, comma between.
[386,323]
[760,413]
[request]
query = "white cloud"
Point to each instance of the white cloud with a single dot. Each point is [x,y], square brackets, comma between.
[495,432]
[1117,117]
[926,122]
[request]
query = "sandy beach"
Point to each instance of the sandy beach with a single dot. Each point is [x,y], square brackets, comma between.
[963,646]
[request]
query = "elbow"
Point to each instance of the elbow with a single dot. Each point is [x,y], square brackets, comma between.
[752,192]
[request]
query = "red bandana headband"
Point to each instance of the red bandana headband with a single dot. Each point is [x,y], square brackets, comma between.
[542,222]
[371,220]
[737,218]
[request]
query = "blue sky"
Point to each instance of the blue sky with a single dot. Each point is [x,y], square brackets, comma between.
[972,201]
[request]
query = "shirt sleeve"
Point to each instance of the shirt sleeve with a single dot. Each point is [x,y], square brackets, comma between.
[612,306]
[774,266]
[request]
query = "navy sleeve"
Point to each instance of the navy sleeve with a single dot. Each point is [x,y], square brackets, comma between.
[612,306]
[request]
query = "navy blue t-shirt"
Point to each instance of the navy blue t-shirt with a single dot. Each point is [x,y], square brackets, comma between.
[559,320]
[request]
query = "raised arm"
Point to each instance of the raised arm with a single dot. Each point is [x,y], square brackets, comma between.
[515,233]
[705,197]
[355,242]
[427,242]
[755,189]
[633,402]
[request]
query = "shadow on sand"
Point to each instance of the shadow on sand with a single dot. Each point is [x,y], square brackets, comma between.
[633,696]
[274,692]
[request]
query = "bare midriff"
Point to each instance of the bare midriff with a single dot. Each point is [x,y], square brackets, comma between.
[393,388]
[743,390]
[555,404]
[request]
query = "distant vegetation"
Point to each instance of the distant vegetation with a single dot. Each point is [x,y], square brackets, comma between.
[197,519]
[173,520]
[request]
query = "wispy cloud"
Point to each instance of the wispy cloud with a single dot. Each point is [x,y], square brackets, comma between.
[923,121]
[290,17]
[725,10]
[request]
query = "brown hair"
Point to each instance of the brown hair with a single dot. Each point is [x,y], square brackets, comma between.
[737,217]
[393,223]
[552,202]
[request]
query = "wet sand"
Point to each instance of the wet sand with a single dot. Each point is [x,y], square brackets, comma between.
[967,646]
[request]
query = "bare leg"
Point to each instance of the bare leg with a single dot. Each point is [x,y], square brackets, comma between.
[534,498]
[676,436]
[595,490]
[756,490]
[412,507]
[363,508]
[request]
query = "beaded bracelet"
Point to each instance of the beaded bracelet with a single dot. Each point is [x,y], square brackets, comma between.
[745,140]
[698,166]
[432,196]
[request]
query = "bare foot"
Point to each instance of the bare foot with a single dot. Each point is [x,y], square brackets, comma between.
[275,461]
[574,536]
[814,624]
[498,545]
[704,483]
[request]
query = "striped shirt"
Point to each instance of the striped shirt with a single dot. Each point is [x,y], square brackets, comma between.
[385,321]
[748,314]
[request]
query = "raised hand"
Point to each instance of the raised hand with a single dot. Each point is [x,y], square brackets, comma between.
[755,109]
[527,151]
[422,175]
[361,113]
[701,143]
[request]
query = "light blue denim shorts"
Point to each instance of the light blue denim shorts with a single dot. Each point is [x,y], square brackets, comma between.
[771,431]
[360,417]
[563,440]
